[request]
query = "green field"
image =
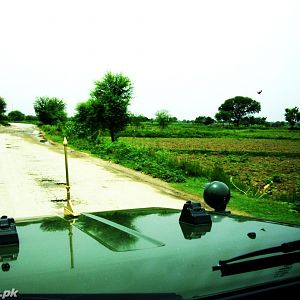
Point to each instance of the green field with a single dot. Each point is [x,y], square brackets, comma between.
[251,162]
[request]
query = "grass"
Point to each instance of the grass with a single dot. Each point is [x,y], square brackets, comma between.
[192,130]
[243,205]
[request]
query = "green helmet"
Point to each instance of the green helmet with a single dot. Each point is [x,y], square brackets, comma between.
[216,195]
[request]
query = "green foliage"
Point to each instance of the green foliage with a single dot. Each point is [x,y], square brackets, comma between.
[2,109]
[160,164]
[50,110]
[293,199]
[218,174]
[297,195]
[292,116]
[264,209]
[88,118]
[204,120]
[71,130]
[155,163]
[111,97]
[236,109]
[238,158]
[2,105]
[251,120]
[16,115]
[277,178]
[192,168]
[137,120]
[194,130]
[223,116]
[54,131]
[163,118]
[31,118]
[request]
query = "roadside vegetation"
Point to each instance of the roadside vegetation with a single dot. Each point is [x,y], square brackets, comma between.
[262,172]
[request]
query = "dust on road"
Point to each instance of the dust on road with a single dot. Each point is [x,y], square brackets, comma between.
[32,179]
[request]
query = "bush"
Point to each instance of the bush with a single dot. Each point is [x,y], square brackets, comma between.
[16,115]
[218,174]
[156,163]
[50,110]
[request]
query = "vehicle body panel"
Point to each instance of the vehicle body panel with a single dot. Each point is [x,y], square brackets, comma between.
[140,251]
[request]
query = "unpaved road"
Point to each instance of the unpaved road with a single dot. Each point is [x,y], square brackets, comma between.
[32,179]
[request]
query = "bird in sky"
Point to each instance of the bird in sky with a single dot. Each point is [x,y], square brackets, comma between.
[259,92]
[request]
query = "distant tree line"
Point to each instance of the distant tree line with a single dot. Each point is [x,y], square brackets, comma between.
[107,109]
[13,116]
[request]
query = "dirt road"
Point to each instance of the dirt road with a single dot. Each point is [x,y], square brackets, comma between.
[32,179]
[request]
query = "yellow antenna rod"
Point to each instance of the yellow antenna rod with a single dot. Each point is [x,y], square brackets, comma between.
[68,209]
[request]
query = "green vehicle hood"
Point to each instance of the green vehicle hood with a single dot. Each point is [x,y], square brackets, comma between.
[140,251]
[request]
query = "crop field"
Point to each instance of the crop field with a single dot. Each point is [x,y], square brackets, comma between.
[252,163]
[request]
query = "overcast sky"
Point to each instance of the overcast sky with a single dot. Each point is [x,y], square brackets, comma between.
[185,56]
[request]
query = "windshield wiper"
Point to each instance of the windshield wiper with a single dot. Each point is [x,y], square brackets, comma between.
[290,256]
[285,248]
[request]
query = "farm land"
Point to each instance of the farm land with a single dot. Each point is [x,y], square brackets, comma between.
[253,159]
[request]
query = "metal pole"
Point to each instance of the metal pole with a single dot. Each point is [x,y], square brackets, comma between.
[67,169]
[68,210]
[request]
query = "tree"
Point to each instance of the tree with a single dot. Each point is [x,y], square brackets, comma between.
[223,116]
[89,117]
[260,121]
[50,110]
[204,120]
[292,116]
[31,118]
[2,109]
[236,109]
[163,118]
[111,97]
[16,115]
[136,120]
[254,121]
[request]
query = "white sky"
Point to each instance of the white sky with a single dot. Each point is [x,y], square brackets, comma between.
[185,56]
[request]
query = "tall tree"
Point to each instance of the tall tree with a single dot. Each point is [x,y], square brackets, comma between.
[112,96]
[236,109]
[2,108]
[50,110]
[292,116]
